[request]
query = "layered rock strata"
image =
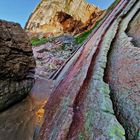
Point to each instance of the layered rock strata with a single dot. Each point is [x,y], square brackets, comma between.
[16,64]
[80,106]
[123,74]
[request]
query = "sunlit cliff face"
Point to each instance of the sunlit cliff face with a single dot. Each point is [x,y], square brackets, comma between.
[43,19]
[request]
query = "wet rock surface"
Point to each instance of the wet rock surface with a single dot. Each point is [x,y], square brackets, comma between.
[17,122]
[16,64]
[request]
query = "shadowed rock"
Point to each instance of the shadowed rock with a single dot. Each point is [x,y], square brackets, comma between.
[16,64]
[44,20]
[133,30]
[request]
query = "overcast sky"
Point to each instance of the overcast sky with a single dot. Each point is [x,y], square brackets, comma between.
[19,10]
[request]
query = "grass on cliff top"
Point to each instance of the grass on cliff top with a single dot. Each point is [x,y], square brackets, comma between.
[80,39]
[35,41]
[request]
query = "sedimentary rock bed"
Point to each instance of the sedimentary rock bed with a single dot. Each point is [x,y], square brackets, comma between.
[80,106]
[16,62]
[123,74]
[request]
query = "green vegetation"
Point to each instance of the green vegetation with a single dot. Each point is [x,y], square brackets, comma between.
[82,37]
[63,47]
[35,41]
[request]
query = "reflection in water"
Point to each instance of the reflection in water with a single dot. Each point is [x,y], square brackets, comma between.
[17,123]
[23,120]
[40,114]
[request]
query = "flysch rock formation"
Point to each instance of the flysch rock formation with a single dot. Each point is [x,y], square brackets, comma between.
[46,17]
[97,92]
[16,64]
[133,30]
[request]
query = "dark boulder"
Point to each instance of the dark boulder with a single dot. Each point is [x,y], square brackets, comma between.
[16,64]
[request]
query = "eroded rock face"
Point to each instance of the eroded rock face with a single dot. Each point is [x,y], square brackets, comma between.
[43,19]
[16,62]
[73,26]
[68,23]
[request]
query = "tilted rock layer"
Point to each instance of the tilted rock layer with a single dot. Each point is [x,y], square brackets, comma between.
[44,18]
[123,75]
[97,92]
[16,62]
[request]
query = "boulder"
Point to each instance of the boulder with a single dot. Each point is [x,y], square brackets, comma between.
[16,64]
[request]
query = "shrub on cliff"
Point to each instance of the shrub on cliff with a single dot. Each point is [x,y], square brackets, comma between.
[35,41]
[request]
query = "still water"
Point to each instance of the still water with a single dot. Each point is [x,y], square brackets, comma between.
[23,120]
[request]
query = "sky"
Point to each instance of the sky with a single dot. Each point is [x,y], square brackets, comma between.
[20,10]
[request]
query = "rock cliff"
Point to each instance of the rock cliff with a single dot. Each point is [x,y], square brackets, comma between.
[47,15]
[16,64]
